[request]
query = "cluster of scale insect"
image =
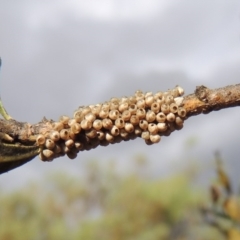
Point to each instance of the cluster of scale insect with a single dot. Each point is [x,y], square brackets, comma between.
[144,115]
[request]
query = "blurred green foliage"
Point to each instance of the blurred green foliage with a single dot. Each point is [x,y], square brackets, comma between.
[106,205]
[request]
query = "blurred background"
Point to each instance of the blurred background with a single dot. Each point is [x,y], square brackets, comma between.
[58,55]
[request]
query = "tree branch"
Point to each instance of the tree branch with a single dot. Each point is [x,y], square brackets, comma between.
[206,100]
[145,115]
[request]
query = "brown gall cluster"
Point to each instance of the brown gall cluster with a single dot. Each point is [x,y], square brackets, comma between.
[144,115]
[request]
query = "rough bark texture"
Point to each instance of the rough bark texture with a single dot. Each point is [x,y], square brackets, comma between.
[206,100]
[18,140]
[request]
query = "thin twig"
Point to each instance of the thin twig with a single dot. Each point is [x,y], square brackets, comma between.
[18,140]
[206,100]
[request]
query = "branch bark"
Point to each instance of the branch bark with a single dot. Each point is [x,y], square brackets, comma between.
[19,141]
[206,100]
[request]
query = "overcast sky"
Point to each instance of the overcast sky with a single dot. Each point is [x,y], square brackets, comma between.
[58,55]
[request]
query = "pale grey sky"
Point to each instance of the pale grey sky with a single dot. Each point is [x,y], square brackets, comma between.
[58,55]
